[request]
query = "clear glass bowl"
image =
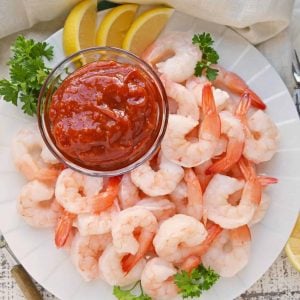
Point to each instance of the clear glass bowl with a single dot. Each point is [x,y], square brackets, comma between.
[67,67]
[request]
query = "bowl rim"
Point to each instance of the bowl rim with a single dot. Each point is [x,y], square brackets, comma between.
[97,173]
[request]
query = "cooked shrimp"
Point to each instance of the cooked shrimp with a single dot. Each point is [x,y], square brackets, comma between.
[160,182]
[261,209]
[187,153]
[192,205]
[176,235]
[162,208]
[190,263]
[89,224]
[79,193]
[196,84]
[221,211]
[179,194]
[237,85]
[232,127]
[229,253]
[85,253]
[262,135]
[124,229]
[128,192]
[174,55]
[202,175]
[27,150]
[157,279]
[110,267]
[186,102]
[37,204]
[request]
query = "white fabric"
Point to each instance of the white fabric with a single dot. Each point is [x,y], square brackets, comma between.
[256,20]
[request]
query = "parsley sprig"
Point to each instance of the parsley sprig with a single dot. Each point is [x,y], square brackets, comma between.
[209,56]
[194,283]
[128,294]
[27,73]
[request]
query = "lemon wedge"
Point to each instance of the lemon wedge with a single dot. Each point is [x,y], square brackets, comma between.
[146,28]
[80,27]
[292,247]
[115,24]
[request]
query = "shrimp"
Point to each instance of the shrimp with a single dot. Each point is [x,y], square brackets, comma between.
[161,207]
[90,224]
[157,183]
[85,253]
[261,209]
[79,193]
[186,102]
[176,235]
[37,205]
[174,55]
[235,84]
[196,84]
[234,130]
[28,151]
[262,135]
[190,263]
[220,211]
[110,268]
[192,205]
[229,253]
[124,229]
[128,192]
[157,279]
[202,175]
[187,153]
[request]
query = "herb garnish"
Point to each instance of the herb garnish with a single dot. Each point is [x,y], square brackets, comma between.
[27,73]
[209,56]
[128,295]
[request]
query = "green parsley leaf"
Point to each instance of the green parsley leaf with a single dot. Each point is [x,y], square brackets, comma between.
[209,56]
[128,295]
[27,71]
[194,283]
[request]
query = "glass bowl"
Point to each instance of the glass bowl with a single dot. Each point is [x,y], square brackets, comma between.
[63,71]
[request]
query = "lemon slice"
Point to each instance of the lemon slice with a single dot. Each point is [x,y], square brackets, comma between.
[80,27]
[292,248]
[115,24]
[146,28]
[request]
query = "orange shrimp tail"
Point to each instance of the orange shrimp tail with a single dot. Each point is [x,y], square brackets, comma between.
[266,180]
[241,234]
[233,154]
[106,199]
[190,263]
[255,99]
[244,105]
[145,242]
[246,168]
[63,229]
[208,102]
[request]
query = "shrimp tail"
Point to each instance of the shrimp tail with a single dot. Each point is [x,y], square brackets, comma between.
[241,234]
[145,242]
[266,180]
[233,154]
[106,199]
[255,99]
[63,228]
[243,106]
[190,263]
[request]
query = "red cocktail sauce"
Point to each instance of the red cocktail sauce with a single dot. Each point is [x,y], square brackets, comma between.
[104,112]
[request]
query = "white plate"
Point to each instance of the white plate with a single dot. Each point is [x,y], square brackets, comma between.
[52,268]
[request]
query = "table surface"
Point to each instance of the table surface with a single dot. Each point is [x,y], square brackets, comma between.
[281,281]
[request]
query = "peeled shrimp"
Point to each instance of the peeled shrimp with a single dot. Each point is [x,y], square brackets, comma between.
[220,211]
[157,279]
[229,253]
[37,205]
[261,209]
[128,192]
[232,127]
[89,224]
[176,235]
[110,267]
[162,208]
[187,153]
[79,193]
[85,253]
[186,102]
[29,154]
[201,173]
[234,83]
[174,55]
[160,182]
[262,135]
